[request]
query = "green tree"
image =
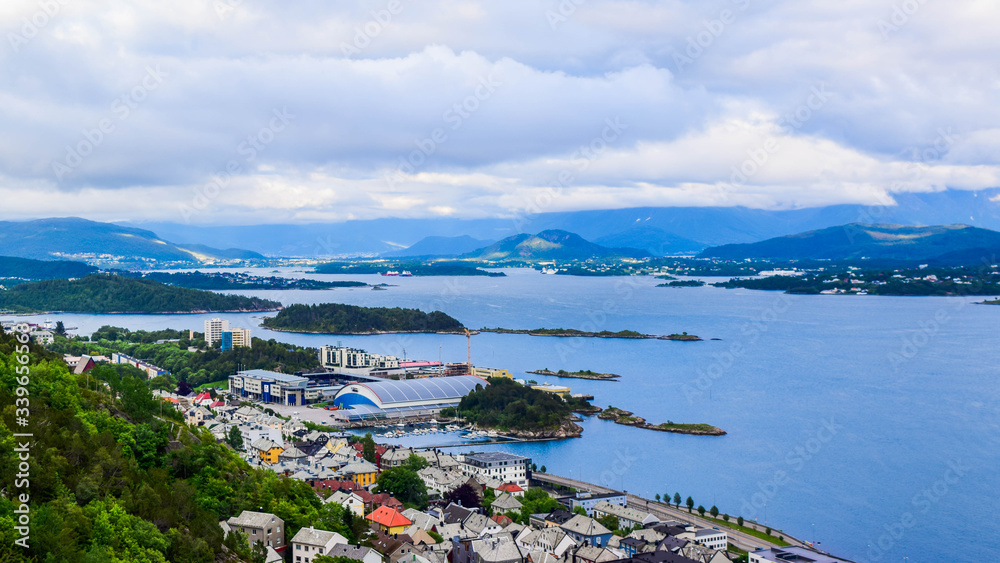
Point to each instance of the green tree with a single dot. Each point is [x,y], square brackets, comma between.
[725,517]
[368,448]
[657,497]
[701,510]
[677,500]
[337,559]
[543,469]
[579,510]
[404,484]
[609,521]
[416,462]
[714,511]
[235,439]
[739,520]
[60,328]
[690,503]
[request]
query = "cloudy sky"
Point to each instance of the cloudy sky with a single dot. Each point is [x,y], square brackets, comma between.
[243,111]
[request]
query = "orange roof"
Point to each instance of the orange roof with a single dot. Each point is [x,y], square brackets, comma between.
[510,488]
[388,517]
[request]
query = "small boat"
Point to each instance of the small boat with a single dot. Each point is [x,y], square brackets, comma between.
[378,288]
[405,274]
[391,273]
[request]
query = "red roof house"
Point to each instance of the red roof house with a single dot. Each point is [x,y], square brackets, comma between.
[389,520]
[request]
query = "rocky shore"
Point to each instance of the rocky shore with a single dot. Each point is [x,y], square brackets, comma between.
[626,418]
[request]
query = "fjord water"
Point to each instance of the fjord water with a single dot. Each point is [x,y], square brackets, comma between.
[869,424]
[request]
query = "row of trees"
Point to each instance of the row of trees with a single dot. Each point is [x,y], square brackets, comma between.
[689,502]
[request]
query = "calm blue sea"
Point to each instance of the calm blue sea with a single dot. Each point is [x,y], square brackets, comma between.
[869,424]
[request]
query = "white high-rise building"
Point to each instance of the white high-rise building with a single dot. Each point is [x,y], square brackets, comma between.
[214,329]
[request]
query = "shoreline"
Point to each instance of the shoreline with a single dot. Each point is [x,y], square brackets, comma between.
[368,333]
[583,334]
[199,312]
[626,418]
[568,375]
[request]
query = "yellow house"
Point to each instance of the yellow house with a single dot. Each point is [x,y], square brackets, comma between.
[389,520]
[362,472]
[487,373]
[267,450]
[549,388]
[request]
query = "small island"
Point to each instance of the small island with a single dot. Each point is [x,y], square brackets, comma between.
[583,374]
[100,293]
[337,318]
[409,268]
[626,418]
[990,302]
[520,411]
[574,333]
[682,283]
[231,280]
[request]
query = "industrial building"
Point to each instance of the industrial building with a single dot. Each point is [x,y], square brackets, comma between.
[404,398]
[269,387]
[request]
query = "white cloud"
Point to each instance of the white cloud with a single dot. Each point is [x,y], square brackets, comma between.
[491,99]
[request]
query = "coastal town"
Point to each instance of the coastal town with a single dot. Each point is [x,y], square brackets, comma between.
[334,431]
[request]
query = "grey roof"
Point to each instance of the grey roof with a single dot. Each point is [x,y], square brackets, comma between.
[490,457]
[707,532]
[312,536]
[248,519]
[498,551]
[350,551]
[622,512]
[506,502]
[265,374]
[585,526]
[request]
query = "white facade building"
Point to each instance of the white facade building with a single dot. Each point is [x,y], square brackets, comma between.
[504,467]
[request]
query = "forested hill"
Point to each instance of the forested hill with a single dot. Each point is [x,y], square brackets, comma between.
[115,294]
[335,318]
[104,486]
[28,269]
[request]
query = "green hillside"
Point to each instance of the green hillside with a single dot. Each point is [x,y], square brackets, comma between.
[549,245]
[947,244]
[28,269]
[116,477]
[94,242]
[116,294]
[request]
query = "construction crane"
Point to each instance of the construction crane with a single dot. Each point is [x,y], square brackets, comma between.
[468,337]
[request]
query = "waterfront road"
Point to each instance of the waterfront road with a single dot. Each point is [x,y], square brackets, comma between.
[662,511]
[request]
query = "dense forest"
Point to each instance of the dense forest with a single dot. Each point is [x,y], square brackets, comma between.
[416,268]
[228,280]
[28,269]
[335,318]
[117,294]
[508,405]
[196,368]
[116,478]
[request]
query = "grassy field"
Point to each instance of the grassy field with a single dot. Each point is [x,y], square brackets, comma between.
[224,384]
[750,531]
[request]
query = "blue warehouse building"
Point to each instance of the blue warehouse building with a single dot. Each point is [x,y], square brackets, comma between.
[403,398]
[269,387]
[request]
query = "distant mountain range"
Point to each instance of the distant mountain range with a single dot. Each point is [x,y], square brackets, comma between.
[549,245]
[659,230]
[948,244]
[80,239]
[440,246]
